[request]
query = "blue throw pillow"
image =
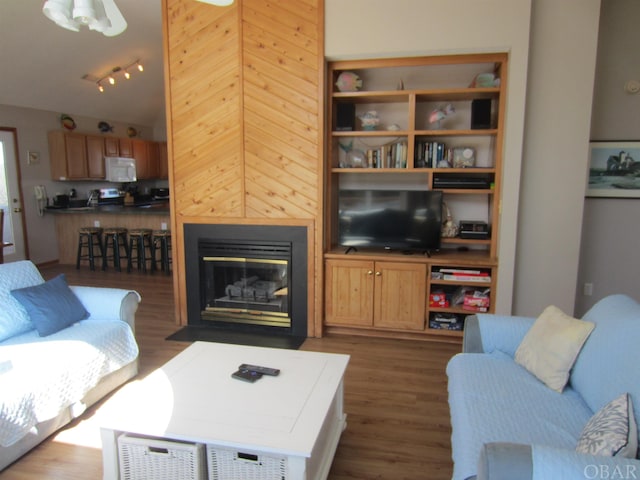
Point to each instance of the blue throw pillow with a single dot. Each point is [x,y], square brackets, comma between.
[51,305]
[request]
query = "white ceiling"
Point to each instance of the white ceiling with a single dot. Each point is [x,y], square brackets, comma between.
[42,64]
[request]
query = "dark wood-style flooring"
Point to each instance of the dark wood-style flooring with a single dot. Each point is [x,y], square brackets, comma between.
[395,397]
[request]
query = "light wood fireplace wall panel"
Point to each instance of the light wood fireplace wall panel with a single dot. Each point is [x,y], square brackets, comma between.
[281,89]
[244,89]
[206,117]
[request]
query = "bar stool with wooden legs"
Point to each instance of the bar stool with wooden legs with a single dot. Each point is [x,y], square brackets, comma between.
[161,240]
[140,244]
[115,238]
[89,238]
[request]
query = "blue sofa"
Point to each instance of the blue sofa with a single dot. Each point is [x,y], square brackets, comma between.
[53,365]
[507,424]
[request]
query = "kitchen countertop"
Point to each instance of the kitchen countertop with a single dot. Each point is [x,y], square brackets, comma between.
[159,208]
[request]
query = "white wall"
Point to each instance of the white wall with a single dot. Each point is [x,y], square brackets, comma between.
[555,162]
[386,28]
[609,258]
[32,127]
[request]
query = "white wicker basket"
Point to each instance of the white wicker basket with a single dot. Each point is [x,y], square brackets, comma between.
[228,464]
[143,458]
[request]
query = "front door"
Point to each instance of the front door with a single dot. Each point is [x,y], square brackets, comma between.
[11,196]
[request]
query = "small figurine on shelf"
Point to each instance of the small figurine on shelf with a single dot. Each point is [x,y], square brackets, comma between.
[485,80]
[370,120]
[449,227]
[440,114]
[348,82]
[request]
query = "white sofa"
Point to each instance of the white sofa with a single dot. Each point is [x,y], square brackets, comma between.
[47,381]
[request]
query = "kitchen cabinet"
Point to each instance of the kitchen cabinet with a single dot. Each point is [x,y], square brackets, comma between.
[379,294]
[146,154]
[77,156]
[95,156]
[163,159]
[125,147]
[112,147]
[68,156]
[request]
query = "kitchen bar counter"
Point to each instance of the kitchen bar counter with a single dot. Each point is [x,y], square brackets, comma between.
[70,220]
[161,208]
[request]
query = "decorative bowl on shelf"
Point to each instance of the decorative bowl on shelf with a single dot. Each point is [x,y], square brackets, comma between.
[356,159]
[370,120]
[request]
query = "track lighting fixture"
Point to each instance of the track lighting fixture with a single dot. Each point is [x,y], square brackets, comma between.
[111,76]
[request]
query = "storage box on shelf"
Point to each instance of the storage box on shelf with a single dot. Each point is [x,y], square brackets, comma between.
[420,122]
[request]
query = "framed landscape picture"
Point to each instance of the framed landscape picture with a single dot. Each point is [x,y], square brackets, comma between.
[614,169]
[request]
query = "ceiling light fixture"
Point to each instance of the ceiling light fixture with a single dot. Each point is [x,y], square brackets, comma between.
[111,76]
[100,15]
[218,3]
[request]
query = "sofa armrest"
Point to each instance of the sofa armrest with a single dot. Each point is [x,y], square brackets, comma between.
[506,461]
[471,336]
[489,332]
[511,461]
[549,462]
[109,303]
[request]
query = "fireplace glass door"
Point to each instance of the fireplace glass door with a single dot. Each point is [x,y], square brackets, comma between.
[246,290]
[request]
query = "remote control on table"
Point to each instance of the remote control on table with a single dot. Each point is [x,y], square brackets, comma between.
[246,375]
[263,370]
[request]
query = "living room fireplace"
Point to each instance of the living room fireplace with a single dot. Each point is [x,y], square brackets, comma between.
[247,278]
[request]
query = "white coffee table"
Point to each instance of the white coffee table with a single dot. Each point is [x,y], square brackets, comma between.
[297,415]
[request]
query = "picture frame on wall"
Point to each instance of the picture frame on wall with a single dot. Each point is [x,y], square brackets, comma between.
[614,169]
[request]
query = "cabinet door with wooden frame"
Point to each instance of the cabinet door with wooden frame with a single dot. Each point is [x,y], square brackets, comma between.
[76,153]
[146,155]
[163,161]
[400,295]
[112,147]
[153,160]
[125,147]
[95,156]
[349,292]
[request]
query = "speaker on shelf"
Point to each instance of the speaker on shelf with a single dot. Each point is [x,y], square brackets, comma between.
[345,117]
[480,113]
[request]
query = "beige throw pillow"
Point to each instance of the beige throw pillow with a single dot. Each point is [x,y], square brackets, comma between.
[551,346]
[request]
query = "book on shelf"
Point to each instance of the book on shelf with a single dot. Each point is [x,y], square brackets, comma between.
[433,154]
[467,277]
[392,155]
[472,308]
[463,271]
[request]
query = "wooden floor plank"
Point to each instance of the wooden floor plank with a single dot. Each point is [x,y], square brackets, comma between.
[395,397]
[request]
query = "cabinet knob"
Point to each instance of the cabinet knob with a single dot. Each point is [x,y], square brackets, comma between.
[378,274]
[370,272]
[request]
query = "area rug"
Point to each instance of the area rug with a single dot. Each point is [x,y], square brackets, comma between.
[210,334]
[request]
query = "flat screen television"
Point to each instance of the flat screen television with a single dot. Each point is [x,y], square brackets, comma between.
[404,220]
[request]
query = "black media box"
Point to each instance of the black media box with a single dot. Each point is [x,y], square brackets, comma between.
[345,117]
[480,113]
[474,230]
